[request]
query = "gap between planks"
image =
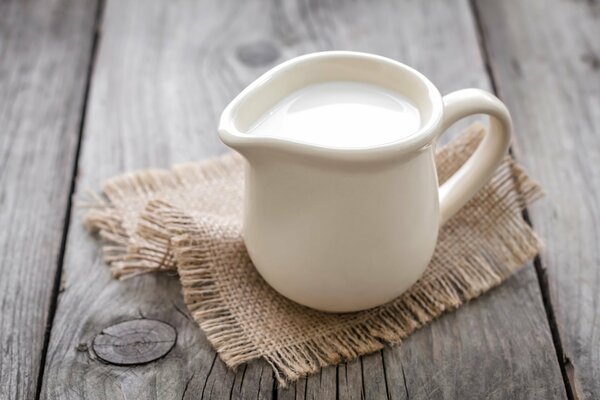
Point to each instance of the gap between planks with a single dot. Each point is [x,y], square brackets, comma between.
[56,285]
[540,271]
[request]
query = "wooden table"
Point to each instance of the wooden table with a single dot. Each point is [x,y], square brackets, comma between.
[89,89]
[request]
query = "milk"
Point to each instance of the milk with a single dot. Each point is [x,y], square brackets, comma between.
[340,114]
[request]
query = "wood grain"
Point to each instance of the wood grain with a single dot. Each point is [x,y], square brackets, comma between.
[133,342]
[497,347]
[164,72]
[45,51]
[548,72]
[154,101]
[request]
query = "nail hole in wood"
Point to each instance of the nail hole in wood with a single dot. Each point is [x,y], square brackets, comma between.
[257,54]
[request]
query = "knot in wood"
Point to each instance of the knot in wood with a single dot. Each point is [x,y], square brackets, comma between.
[257,54]
[138,341]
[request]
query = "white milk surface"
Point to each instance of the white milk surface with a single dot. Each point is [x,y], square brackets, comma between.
[340,114]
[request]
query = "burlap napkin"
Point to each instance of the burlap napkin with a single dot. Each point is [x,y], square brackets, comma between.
[188,219]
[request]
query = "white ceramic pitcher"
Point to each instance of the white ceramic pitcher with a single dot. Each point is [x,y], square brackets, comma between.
[348,229]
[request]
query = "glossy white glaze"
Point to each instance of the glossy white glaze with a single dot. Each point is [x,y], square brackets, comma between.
[345,229]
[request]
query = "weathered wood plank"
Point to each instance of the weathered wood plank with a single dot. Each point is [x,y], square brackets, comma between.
[151,104]
[164,72]
[496,347]
[45,51]
[546,59]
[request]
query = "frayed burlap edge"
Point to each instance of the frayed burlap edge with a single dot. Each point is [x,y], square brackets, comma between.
[125,255]
[106,220]
[177,233]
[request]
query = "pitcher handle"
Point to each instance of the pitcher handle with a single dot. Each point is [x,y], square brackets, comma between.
[478,169]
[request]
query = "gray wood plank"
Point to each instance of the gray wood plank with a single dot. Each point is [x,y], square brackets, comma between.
[496,347]
[164,72]
[154,101]
[348,375]
[45,51]
[548,72]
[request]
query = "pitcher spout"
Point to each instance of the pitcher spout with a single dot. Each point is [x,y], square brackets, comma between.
[240,116]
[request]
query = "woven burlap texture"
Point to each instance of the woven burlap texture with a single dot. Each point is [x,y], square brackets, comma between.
[189,219]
